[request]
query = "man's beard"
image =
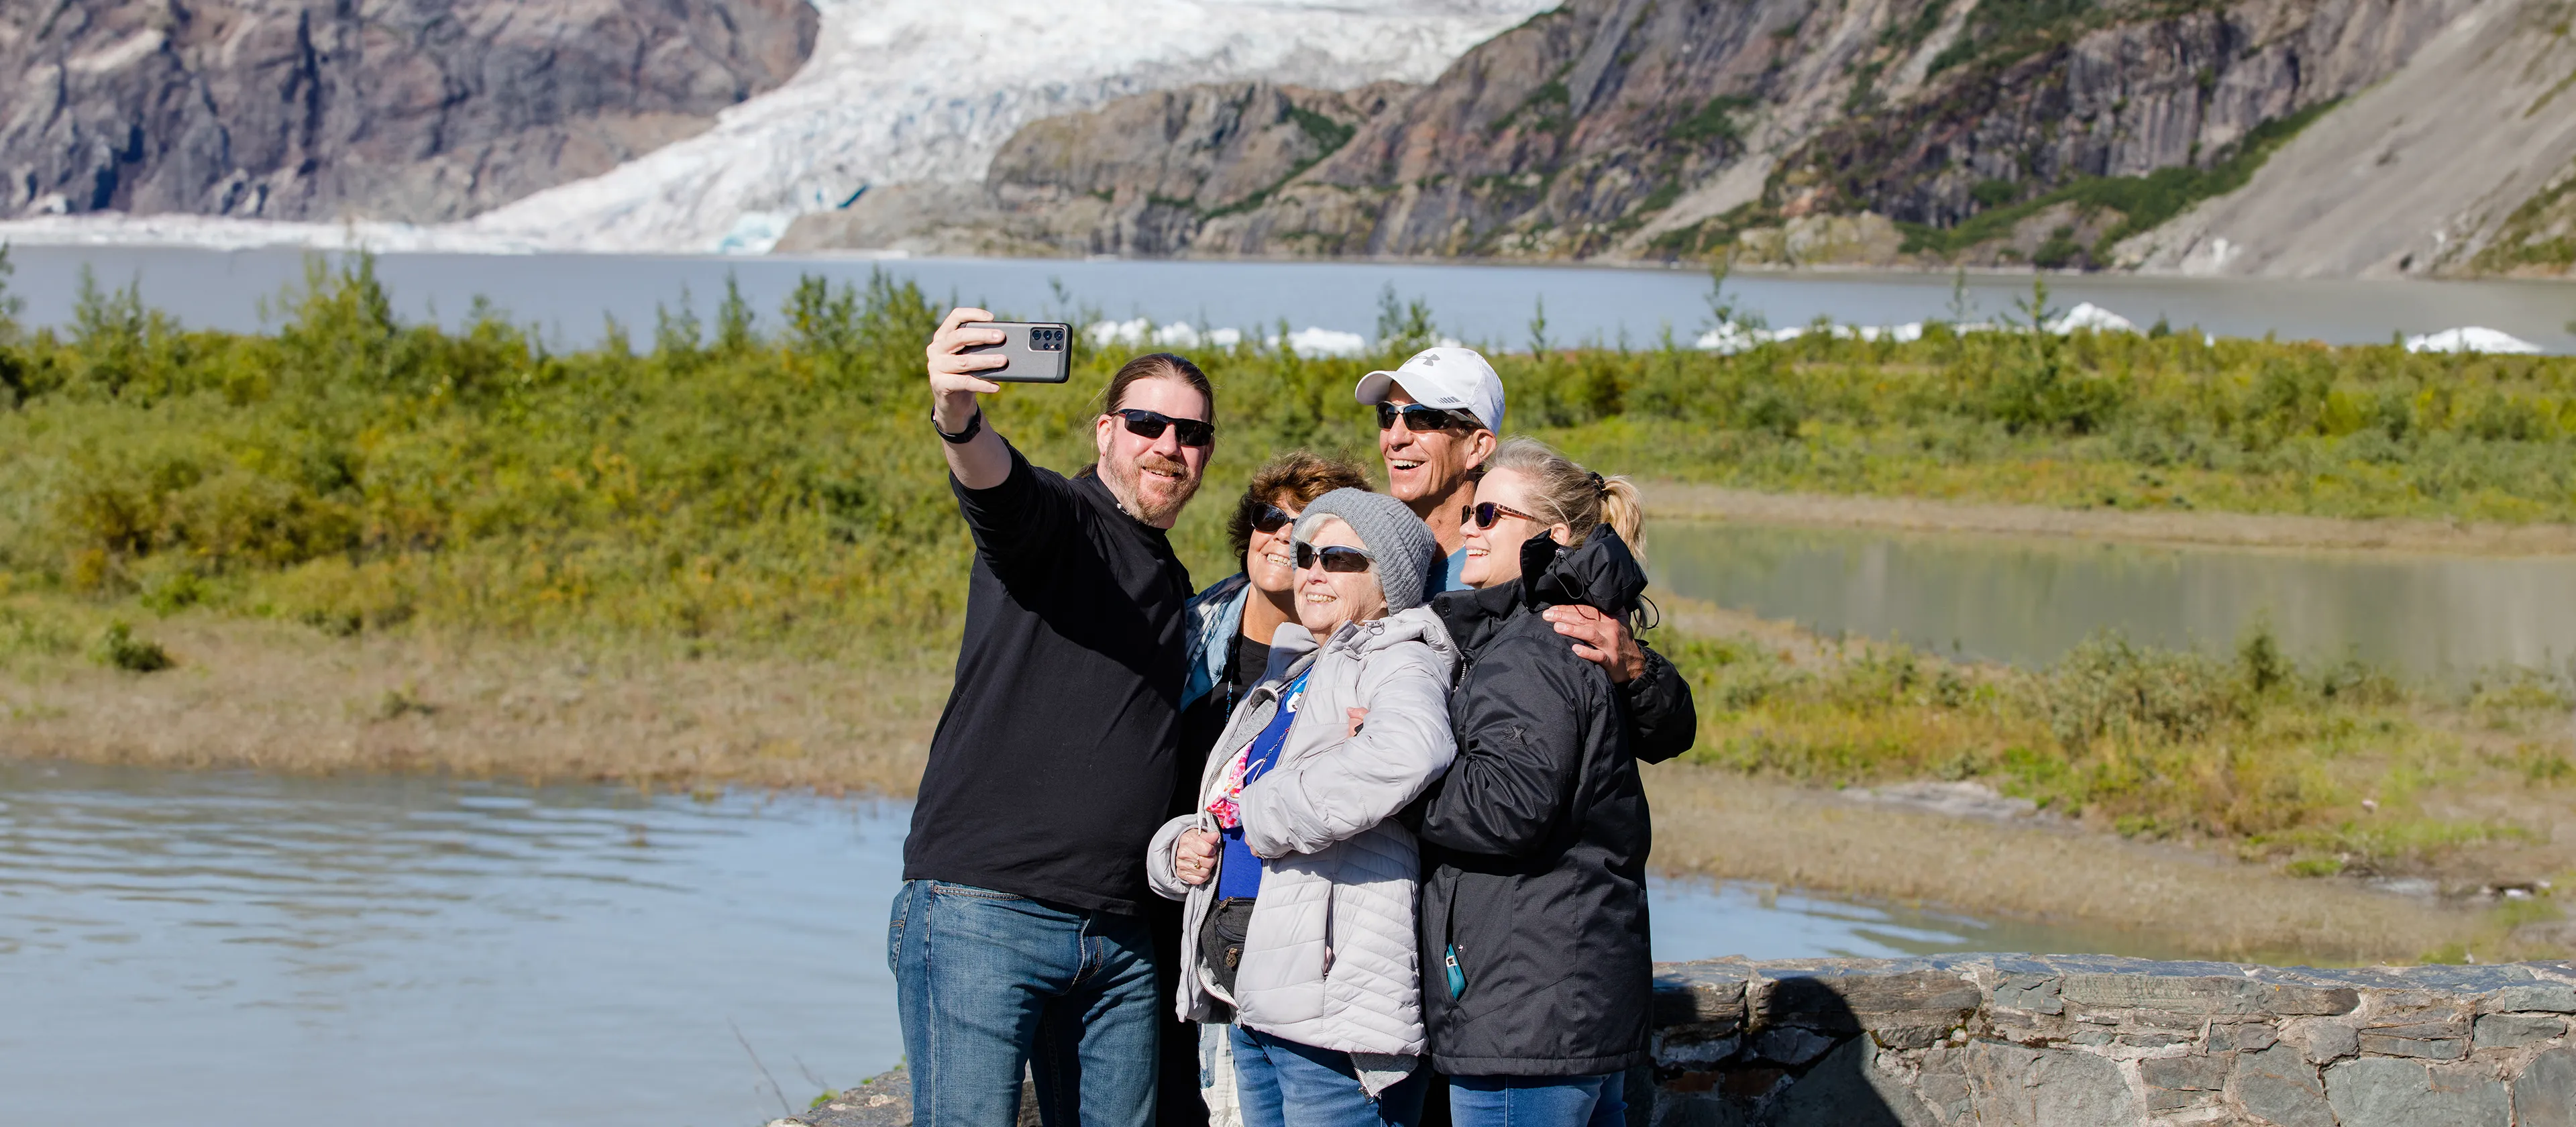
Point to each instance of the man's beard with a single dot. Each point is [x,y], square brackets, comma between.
[1130,479]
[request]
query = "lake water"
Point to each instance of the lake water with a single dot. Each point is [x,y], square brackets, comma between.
[223,949]
[2028,600]
[568,295]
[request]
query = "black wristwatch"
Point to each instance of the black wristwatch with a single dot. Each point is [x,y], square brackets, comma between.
[974,424]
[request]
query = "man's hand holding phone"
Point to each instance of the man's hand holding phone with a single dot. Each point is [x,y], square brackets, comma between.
[954,383]
[980,460]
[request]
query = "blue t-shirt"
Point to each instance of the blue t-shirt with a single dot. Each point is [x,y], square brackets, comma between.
[1453,571]
[1239,875]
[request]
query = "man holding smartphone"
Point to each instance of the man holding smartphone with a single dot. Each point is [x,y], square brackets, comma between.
[1019,937]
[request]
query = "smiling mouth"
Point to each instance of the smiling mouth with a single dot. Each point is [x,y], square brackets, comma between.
[1277,560]
[1403,465]
[1318,597]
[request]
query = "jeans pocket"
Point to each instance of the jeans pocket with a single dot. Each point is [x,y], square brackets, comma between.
[895,919]
[938,888]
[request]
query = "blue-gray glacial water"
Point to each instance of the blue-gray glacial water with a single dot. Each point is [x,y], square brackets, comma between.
[227,949]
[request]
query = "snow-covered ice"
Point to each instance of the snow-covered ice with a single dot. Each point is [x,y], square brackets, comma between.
[2087,315]
[1731,338]
[900,91]
[2472,338]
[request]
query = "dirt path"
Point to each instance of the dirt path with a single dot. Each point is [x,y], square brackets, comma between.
[2239,530]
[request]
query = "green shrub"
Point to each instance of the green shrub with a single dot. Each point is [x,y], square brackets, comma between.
[119,648]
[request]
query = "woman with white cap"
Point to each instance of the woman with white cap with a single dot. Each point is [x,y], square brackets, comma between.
[1299,885]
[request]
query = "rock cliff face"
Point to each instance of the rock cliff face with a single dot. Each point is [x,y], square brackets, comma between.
[388,109]
[1795,131]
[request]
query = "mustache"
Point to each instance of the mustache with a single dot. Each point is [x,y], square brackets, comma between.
[1162,464]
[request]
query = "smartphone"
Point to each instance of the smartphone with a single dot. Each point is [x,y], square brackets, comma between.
[1039,351]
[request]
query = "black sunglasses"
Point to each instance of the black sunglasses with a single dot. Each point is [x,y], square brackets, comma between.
[1486,513]
[1419,418]
[1333,557]
[1272,518]
[1150,424]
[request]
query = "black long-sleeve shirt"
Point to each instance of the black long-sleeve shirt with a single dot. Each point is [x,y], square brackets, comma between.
[1053,761]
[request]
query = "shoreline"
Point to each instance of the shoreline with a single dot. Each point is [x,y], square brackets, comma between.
[1672,500]
[280,698]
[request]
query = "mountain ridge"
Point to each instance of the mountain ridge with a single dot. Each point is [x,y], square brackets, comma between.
[1886,133]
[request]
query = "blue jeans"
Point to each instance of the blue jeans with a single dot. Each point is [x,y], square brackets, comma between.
[990,983]
[1539,1101]
[1280,1083]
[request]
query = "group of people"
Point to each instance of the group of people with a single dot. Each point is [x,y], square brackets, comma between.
[1354,832]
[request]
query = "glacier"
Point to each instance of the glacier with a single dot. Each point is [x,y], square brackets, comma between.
[897,91]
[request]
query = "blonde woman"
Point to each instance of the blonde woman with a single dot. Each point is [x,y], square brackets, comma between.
[1535,841]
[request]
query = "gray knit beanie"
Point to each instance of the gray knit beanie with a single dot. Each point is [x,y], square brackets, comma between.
[1397,539]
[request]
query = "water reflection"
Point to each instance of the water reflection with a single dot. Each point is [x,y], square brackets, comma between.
[230,948]
[2029,600]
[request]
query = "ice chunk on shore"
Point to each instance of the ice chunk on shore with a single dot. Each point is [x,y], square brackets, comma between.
[2472,338]
[1311,341]
[2087,315]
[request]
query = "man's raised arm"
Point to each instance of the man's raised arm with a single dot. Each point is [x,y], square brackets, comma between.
[983,460]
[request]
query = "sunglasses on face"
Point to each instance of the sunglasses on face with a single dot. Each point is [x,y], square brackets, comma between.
[1272,518]
[1332,557]
[1418,418]
[1150,424]
[1486,513]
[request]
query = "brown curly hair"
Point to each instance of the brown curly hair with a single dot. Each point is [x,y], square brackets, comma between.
[1300,476]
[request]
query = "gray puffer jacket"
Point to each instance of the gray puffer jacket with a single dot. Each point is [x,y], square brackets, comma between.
[1329,956]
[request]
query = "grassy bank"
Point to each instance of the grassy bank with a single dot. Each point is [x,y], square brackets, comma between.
[728,554]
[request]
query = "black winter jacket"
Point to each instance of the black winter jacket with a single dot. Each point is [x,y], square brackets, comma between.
[1534,843]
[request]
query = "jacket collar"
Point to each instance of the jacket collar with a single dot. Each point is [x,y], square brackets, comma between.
[1602,574]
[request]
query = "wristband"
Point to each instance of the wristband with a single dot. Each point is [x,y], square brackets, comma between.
[974,424]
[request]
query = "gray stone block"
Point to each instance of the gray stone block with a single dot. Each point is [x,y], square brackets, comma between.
[2207,994]
[2242,1036]
[1848,1089]
[2032,992]
[2545,1094]
[2330,1043]
[1698,1110]
[2551,997]
[1790,1045]
[2433,1040]
[1851,1003]
[2277,1087]
[2506,1031]
[2178,1083]
[2014,1086]
[2402,1093]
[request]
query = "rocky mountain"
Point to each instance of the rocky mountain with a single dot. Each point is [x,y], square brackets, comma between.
[416,110]
[1788,132]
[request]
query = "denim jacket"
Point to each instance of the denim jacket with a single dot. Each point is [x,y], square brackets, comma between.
[1212,619]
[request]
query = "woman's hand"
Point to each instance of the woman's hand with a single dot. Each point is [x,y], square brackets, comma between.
[1194,856]
[1358,716]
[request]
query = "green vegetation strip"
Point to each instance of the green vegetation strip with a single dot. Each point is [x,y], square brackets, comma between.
[768,486]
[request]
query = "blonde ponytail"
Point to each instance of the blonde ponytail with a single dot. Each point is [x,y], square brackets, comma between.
[1562,492]
[1624,512]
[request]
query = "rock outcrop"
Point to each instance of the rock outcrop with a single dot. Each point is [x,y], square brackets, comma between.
[414,110]
[2460,163]
[1637,129]
[2072,1041]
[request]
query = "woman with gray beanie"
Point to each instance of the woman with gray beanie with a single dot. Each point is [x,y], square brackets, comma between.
[1298,883]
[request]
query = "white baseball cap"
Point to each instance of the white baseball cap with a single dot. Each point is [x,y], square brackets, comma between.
[1452,379]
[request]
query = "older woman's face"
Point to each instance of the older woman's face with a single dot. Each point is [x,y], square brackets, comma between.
[1269,560]
[1327,599]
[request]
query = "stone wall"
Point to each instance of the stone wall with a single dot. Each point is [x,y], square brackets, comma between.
[2075,1041]
[2068,1041]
